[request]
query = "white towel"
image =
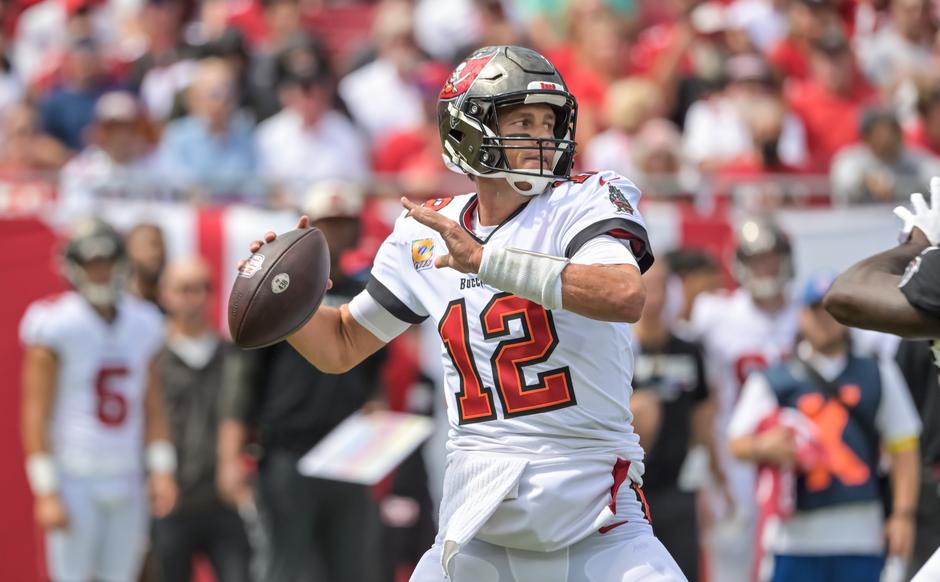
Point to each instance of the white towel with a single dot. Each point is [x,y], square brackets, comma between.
[474,486]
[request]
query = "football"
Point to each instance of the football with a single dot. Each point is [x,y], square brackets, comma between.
[279,288]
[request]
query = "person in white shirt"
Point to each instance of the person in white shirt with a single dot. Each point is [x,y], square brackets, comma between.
[117,163]
[308,140]
[848,408]
[533,281]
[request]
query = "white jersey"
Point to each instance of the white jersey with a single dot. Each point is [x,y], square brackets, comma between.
[98,417]
[521,378]
[541,432]
[739,338]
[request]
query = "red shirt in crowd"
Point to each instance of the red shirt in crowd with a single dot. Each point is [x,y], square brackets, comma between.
[790,59]
[831,120]
[916,136]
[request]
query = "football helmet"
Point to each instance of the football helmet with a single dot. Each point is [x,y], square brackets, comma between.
[757,236]
[468,116]
[94,239]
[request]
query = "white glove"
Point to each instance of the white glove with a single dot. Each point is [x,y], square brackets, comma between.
[926,218]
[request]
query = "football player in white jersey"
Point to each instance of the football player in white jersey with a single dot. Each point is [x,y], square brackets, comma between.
[92,415]
[742,332]
[532,281]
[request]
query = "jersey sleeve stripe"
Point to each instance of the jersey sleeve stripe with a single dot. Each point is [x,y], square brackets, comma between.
[618,228]
[393,304]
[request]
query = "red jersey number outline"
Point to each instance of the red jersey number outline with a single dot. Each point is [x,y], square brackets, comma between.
[110,405]
[554,388]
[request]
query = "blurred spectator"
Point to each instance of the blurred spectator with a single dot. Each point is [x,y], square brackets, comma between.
[26,152]
[193,367]
[715,129]
[916,360]
[43,31]
[445,28]
[413,155]
[758,179]
[672,410]
[164,69]
[765,21]
[69,107]
[925,132]
[393,70]
[662,170]
[593,56]
[901,48]
[818,421]
[497,25]
[695,272]
[210,153]
[146,256]
[284,31]
[231,47]
[628,104]
[11,85]
[318,529]
[117,163]
[880,168]
[764,118]
[550,22]
[809,20]
[308,140]
[829,101]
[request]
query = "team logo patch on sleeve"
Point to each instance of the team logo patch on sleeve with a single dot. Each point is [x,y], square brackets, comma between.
[422,253]
[619,200]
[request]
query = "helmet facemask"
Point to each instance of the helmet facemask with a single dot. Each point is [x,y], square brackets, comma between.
[96,241]
[493,79]
[98,294]
[757,238]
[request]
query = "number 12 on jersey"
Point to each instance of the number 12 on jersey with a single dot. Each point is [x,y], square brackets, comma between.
[553,389]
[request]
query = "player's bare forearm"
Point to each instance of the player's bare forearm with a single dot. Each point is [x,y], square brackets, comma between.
[703,433]
[867,294]
[905,481]
[603,292]
[233,435]
[40,370]
[333,341]
[157,427]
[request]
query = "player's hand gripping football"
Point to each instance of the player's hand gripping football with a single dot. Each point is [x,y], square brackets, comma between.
[925,218]
[465,254]
[50,513]
[302,222]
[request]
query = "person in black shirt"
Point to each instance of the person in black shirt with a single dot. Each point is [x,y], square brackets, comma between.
[671,408]
[898,291]
[193,367]
[317,529]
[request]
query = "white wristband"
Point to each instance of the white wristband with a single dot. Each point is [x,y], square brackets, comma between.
[161,457]
[41,474]
[533,276]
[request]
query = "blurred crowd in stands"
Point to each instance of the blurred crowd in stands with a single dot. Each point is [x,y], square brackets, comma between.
[252,100]
[291,104]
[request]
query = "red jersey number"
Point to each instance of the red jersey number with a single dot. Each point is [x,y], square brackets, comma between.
[553,388]
[111,405]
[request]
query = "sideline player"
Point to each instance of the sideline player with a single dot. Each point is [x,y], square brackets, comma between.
[898,291]
[532,281]
[742,332]
[90,402]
